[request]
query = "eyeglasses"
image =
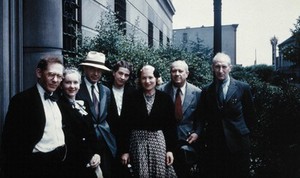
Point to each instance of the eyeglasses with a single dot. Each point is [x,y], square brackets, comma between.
[51,75]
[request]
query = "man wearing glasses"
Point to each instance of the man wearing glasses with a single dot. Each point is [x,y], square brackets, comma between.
[33,142]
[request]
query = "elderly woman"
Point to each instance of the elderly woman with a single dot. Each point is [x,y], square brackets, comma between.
[150,129]
[80,137]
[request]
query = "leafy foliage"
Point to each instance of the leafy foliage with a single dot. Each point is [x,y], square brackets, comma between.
[277,129]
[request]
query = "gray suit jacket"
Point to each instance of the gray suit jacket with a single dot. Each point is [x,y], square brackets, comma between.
[100,123]
[190,121]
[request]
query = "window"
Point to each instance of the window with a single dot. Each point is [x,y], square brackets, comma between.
[168,41]
[150,34]
[71,26]
[161,38]
[184,37]
[120,9]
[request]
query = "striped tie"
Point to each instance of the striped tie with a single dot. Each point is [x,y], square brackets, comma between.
[95,100]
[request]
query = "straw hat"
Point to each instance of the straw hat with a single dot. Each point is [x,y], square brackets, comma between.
[95,59]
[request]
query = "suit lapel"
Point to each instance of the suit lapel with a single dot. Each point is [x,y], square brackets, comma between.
[85,95]
[189,98]
[231,89]
[212,92]
[169,90]
[101,100]
[39,108]
[189,95]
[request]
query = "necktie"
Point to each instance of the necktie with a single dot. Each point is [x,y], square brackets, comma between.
[220,94]
[95,100]
[178,105]
[52,97]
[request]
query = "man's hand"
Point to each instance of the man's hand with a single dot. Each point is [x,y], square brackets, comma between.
[192,138]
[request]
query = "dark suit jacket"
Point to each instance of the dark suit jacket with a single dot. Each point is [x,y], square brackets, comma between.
[233,120]
[23,129]
[113,116]
[102,127]
[190,121]
[80,136]
[162,117]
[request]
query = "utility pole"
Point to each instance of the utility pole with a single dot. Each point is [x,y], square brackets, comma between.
[255,60]
[217,26]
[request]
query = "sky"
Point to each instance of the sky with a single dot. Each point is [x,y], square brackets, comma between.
[258,21]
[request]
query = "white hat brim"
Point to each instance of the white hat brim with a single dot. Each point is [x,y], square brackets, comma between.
[96,66]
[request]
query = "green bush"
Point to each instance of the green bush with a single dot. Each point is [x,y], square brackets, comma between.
[277,105]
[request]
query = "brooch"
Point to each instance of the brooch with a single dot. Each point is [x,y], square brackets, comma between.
[79,106]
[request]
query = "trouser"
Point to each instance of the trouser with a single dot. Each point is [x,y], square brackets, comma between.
[47,164]
[106,159]
[221,162]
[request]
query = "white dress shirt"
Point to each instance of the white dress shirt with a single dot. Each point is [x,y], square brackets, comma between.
[89,87]
[182,94]
[53,135]
[225,86]
[118,94]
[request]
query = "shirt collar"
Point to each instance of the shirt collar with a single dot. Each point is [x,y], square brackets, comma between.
[41,90]
[89,84]
[118,89]
[183,88]
[226,82]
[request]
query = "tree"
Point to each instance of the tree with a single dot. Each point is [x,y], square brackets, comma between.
[202,51]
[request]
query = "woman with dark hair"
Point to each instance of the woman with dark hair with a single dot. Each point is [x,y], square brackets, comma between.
[120,92]
[150,129]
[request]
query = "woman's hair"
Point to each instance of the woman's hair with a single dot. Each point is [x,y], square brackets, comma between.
[71,70]
[155,73]
[122,63]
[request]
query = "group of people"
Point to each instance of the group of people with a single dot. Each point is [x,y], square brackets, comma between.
[68,125]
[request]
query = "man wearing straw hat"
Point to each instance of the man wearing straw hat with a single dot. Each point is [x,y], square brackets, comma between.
[98,97]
